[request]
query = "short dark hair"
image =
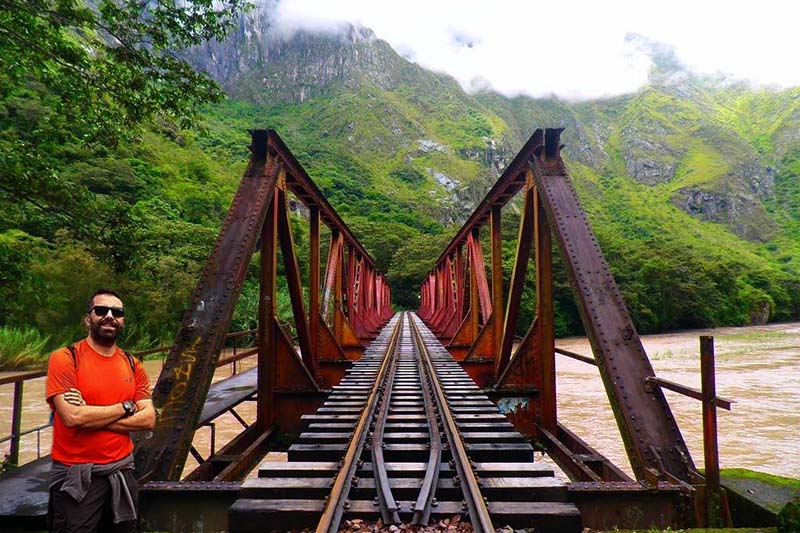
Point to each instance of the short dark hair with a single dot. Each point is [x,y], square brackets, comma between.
[98,292]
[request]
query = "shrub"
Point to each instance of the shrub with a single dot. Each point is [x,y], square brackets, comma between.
[22,349]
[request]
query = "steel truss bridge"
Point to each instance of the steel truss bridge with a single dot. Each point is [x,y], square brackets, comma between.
[395,415]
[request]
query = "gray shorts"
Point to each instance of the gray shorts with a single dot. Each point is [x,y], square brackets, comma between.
[65,515]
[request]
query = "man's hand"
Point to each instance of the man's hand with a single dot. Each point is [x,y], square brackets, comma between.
[144,418]
[76,414]
[74,397]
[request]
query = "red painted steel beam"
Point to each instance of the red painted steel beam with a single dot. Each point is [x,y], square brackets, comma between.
[304,188]
[184,381]
[298,182]
[331,268]
[512,180]
[481,282]
[646,423]
[497,282]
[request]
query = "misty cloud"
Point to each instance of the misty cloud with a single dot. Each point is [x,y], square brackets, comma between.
[579,49]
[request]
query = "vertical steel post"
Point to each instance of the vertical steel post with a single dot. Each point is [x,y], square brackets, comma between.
[710,445]
[351,284]
[338,298]
[544,312]
[524,243]
[267,311]
[476,259]
[16,424]
[313,282]
[497,281]
[460,284]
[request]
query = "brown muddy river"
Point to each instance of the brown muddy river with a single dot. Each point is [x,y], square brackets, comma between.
[758,367]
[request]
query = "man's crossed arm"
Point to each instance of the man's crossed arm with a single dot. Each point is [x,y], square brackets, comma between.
[75,413]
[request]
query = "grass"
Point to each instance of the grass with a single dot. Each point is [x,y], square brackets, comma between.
[22,349]
[771,479]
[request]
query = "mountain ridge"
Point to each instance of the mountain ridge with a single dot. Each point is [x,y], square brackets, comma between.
[430,150]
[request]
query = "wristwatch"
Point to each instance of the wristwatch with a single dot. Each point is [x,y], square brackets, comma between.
[129,407]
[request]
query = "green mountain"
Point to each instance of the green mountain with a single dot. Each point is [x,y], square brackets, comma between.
[690,183]
[690,174]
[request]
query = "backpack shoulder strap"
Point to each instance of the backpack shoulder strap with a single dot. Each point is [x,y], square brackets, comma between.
[74,352]
[131,361]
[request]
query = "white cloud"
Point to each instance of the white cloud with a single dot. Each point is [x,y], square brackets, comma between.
[571,48]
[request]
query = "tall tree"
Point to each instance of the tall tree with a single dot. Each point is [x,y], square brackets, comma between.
[76,75]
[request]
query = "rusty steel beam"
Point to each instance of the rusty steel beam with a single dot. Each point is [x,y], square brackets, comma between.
[313,280]
[512,180]
[304,188]
[267,315]
[186,376]
[714,503]
[292,272]
[259,209]
[652,439]
[651,435]
[546,367]
[524,245]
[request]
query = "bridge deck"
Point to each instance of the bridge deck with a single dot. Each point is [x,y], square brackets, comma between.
[23,491]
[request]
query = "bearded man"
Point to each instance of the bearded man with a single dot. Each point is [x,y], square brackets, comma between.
[99,394]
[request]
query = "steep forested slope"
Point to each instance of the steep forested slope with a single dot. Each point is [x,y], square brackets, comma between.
[690,183]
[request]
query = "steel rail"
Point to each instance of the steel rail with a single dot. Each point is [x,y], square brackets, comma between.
[476,506]
[424,503]
[335,502]
[386,500]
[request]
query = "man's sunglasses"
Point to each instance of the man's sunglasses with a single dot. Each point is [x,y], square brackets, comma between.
[102,310]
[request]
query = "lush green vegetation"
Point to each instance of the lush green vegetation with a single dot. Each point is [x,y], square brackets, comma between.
[98,185]
[22,348]
[133,197]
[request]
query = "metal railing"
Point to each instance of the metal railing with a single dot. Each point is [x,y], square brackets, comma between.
[707,394]
[18,379]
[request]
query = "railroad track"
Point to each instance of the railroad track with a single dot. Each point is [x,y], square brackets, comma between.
[406,437]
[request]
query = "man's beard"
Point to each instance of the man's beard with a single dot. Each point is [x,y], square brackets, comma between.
[103,335]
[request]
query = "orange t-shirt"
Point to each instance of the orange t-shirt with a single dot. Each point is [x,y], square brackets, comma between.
[102,381]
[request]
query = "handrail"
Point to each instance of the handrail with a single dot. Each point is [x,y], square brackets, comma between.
[22,375]
[715,513]
[577,356]
[234,335]
[691,392]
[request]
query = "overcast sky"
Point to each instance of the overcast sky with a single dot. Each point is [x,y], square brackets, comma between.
[572,48]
